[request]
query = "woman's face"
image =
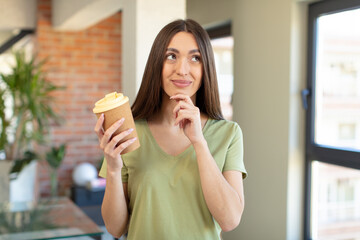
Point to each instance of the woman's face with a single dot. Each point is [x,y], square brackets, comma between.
[183,69]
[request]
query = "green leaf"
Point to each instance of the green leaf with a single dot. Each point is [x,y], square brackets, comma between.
[32,109]
[21,163]
[55,156]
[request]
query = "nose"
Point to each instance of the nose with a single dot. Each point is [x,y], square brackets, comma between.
[183,67]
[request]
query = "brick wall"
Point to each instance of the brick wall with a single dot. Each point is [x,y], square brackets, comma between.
[88,63]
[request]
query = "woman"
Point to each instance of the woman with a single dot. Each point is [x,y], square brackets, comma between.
[185,181]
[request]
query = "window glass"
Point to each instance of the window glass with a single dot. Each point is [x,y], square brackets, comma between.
[335,201]
[337,116]
[223,52]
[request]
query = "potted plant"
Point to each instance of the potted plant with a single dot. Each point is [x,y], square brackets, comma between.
[54,158]
[25,111]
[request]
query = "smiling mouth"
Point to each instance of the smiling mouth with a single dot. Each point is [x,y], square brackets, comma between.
[181,83]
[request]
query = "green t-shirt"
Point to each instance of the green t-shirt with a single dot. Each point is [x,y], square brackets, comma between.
[166,199]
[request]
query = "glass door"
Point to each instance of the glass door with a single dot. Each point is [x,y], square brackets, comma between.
[333,121]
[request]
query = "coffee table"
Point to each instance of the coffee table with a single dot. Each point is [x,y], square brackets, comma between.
[51,218]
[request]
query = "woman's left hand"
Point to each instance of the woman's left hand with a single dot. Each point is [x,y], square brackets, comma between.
[187,116]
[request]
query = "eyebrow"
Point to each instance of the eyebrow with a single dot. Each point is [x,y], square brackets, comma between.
[177,51]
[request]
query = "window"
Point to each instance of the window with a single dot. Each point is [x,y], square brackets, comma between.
[223,43]
[333,121]
[335,202]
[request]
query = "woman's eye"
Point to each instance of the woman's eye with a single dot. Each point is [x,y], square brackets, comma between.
[195,58]
[170,56]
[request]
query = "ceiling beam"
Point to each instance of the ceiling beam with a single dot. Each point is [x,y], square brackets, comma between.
[70,15]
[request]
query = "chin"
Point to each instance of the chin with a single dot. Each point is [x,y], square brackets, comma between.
[173,92]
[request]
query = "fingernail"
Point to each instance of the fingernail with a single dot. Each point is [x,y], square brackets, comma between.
[133,139]
[121,120]
[130,130]
[102,115]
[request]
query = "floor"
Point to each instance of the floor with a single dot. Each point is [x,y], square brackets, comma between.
[105,236]
[93,212]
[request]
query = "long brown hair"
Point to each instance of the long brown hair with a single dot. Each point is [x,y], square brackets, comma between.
[149,97]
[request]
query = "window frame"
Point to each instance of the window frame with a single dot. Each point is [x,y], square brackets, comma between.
[314,151]
[220,30]
[9,43]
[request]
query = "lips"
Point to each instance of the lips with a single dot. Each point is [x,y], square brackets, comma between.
[181,83]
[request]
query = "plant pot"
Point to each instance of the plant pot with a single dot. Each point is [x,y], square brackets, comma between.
[4,180]
[21,189]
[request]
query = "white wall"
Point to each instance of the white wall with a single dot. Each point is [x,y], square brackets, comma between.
[210,12]
[142,21]
[17,14]
[269,56]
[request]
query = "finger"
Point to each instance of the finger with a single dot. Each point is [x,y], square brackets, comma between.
[124,145]
[185,114]
[184,122]
[116,139]
[110,131]
[182,105]
[98,127]
[183,97]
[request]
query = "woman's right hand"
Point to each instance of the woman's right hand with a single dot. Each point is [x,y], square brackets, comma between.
[109,143]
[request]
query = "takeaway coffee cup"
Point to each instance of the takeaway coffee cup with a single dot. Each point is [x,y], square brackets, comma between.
[116,106]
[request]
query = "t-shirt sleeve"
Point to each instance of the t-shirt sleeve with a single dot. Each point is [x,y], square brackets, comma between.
[235,153]
[124,171]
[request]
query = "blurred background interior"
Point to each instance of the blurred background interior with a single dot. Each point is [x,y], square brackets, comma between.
[288,73]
